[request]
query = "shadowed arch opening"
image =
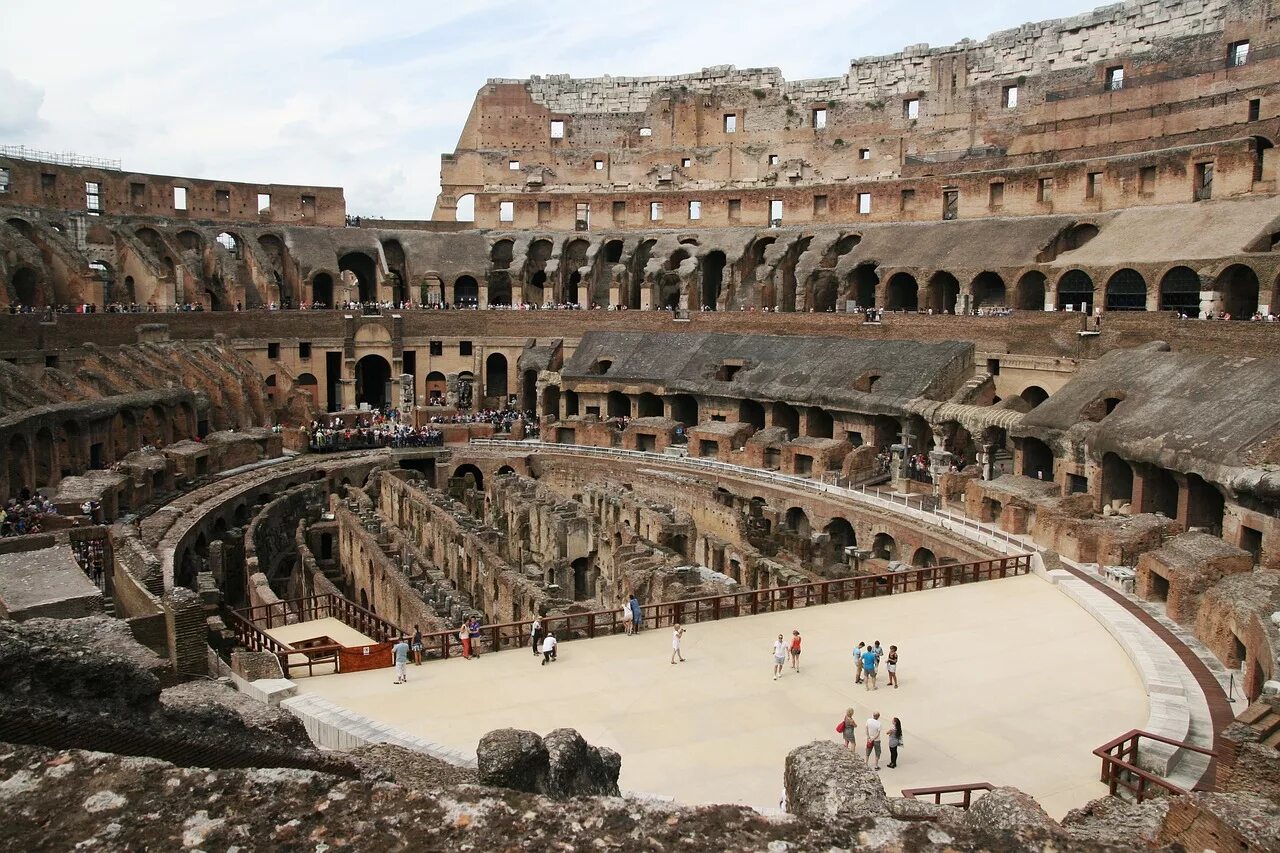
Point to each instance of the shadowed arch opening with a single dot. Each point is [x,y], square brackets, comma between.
[495,377]
[989,291]
[1239,287]
[712,279]
[884,547]
[466,292]
[798,522]
[1180,291]
[1126,291]
[1030,292]
[902,293]
[362,267]
[648,405]
[841,533]
[944,290]
[373,381]
[322,289]
[1075,291]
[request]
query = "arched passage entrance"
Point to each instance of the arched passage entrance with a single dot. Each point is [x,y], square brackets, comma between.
[362,267]
[1075,291]
[1180,291]
[798,522]
[322,290]
[495,377]
[944,290]
[26,287]
[840,531]
[902,293]
[989,291]
[466,292]
[1126,291]
[373,381]
[712,279]
[1030,294]
[1239,286]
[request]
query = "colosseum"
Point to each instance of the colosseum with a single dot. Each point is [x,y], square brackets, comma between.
[967,353]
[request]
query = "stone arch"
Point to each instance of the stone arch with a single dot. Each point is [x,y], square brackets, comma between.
[1037,459]
[551,400]
[495,377]
[944,291]
[1075,288]
[466,291]
[862,284]
[617,405]
[322,289]
[470,475]
[924,558]
[902,293]
[436,387]
[373,376]
[26,287]
[712,279]
[648,405]
[307,384]
[751,412]
[786,416]
[841,533]
[1180,291]
[1117,480]
[1030,292]
[1034,395]
[1238,285]
[988,291]
[465,208]
[529,390]
[684,408]
[363,267]
[797,520]
[1126,291]
[884,547]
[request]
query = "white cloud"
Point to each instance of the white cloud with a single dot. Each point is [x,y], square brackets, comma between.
[367,96]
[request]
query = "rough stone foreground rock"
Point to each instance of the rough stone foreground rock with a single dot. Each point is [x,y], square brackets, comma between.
[1010,811]
[60,799]
[827,782]
[562,765]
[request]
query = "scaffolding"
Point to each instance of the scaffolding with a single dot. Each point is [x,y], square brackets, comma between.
[64,158]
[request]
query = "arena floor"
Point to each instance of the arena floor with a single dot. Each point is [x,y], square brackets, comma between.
[1007,681]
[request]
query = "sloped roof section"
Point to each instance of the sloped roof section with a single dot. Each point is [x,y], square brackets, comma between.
[816,371]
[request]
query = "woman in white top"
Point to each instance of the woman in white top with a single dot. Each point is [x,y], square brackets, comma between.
[626,618]
[676,634]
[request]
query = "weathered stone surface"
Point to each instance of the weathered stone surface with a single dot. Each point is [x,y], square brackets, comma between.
[1256,771]
[1111,820]
[1222,822]
[577,768]
[1010,811]
[513,758]
[825,781]
[408,768]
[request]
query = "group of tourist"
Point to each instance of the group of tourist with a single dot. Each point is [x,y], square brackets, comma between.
[376,430]
[25,514]
[867,659]
[847,728]
[500,419]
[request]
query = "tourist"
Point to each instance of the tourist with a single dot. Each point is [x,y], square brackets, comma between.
[875,647]
[869,668]
[549,648]
[417,646]
[873,738]
[401,653]
[848,727]
[626,618]
[779,657]
[473,628]
[895,741]
[892,666]
[637,615]
[535,635]
[464,636]
[795,651]
[857,660]
[677,633]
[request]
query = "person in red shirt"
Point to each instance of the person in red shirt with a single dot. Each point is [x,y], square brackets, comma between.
[795,651]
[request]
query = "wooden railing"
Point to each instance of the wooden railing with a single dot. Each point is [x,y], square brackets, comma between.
[939,791]
[1120,764]
[598,623]
[252,623]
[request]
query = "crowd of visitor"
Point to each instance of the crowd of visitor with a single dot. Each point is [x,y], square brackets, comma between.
[25,514]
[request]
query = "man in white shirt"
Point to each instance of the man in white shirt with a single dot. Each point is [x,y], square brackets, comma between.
[548,648]
[873,738]
[779,657]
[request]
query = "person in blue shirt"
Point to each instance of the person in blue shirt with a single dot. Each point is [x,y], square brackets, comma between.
[400,652]
[869,660]
[637,618]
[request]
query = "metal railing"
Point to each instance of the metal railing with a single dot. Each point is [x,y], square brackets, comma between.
[938,791]
[251,625]
[1120,764]
[919,507]
[57,158]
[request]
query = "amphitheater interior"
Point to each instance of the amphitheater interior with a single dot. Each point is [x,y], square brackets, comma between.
[740,347]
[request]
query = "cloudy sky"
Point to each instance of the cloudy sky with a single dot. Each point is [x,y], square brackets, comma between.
[367,95]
